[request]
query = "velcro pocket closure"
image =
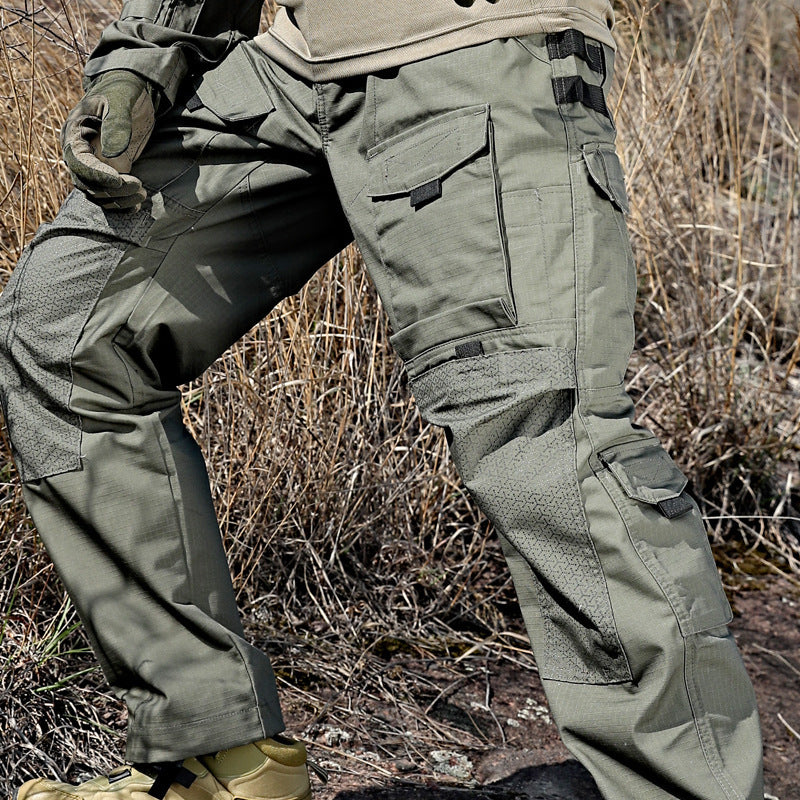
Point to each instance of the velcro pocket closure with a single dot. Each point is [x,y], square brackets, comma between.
[140,9]
[436,149]
[234,91]
[606,173]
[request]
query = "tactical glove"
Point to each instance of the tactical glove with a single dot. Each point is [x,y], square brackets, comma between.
[105,133]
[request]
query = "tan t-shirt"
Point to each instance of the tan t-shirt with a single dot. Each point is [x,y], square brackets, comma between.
[331,39]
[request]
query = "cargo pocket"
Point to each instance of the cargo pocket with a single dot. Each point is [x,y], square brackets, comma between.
[667,531]
[435,195]
[234,91]
[215,125]
[605,269]
[606,174]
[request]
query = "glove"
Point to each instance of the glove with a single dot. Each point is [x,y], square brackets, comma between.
[105,133]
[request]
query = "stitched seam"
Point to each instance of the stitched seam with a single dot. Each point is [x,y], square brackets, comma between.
[374,114]
[276,285]
[251,679]
[322,118]
[711,753]
[204,720]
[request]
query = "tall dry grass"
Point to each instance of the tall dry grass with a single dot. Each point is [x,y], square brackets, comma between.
[349,536]
[709,122]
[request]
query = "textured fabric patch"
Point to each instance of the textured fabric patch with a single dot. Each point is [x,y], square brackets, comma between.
[508,421]
[43,310]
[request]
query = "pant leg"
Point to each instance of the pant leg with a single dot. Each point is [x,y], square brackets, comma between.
[106,314]
[491,217]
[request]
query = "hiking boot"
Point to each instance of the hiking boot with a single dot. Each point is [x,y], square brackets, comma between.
[270,769]
[187,780]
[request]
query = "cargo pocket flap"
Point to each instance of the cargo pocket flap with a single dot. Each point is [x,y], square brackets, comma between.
[415,162]
[646,473]
[233,90]
[606,174]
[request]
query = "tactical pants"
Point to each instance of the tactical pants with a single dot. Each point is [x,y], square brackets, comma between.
[484,191]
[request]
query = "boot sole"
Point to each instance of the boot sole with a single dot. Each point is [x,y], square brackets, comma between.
[306,796]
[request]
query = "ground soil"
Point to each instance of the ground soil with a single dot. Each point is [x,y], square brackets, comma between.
[520,755]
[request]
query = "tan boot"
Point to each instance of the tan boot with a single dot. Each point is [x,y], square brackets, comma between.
[270,769]
[190,780]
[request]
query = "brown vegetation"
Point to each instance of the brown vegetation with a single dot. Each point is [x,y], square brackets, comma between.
[349,536]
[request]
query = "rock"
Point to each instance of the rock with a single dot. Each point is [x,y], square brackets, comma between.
[448,762]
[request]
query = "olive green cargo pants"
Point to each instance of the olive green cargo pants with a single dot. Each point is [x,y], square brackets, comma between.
[484,191]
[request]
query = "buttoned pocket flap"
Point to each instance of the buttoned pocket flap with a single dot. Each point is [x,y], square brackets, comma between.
[606,173]
[418,160]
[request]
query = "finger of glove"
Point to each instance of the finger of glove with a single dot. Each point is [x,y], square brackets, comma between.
[120,203]
[87,113]
[131,203]
[78,138]
[88,168]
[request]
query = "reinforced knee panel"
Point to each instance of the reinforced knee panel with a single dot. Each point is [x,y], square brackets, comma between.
[43,311]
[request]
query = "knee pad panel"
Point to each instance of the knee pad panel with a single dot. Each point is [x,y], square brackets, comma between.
[508,419]
[43,312]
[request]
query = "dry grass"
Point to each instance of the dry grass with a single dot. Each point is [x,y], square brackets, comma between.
[709,125]
[349,536]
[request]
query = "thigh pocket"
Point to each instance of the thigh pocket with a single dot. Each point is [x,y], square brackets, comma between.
[605,270]
[606,176]
[434,190]
[235,90]
[206,144]
[666,528]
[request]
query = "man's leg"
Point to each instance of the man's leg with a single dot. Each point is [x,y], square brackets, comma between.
[489,207]
[105,315]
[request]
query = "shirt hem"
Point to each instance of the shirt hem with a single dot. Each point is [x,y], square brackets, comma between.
[332,68]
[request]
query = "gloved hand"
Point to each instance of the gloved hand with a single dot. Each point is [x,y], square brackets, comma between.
[105,133]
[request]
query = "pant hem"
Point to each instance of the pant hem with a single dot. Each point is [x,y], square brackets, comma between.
[173,742]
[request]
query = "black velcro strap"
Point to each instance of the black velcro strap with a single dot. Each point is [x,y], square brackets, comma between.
[432,190]
[676,506]
[118,775]
[469,349]
[575,90]
[166,774]
[573,43]
[194,102]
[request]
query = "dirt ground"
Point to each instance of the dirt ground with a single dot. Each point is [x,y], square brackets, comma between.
[521,756]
